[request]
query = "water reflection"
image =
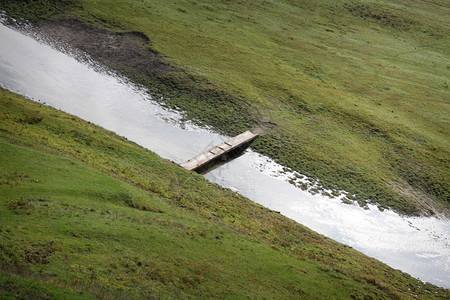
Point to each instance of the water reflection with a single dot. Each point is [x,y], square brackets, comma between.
[419,246]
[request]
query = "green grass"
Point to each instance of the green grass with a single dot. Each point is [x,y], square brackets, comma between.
[15,287]
[358,89]
[86,213]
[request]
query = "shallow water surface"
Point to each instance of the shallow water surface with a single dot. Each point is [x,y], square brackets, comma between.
[418,246]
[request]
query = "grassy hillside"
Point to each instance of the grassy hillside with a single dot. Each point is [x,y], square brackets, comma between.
[353,93]
[86,213]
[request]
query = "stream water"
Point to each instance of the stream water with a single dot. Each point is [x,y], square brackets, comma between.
[418,246]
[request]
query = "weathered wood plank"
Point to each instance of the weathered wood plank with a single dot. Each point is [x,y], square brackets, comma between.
[219,150]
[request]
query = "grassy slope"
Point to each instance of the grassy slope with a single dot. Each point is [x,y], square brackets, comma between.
[85,211]
[365,80]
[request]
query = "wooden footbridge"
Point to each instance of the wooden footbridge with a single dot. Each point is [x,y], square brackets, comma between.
[219,151]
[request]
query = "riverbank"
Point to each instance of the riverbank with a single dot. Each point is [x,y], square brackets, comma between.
[385,138]
[416,246]
[79,202]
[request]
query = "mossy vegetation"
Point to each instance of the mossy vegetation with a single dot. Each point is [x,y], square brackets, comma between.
[34,10]
[353,93]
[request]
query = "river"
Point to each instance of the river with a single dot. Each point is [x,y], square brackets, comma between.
[418,246]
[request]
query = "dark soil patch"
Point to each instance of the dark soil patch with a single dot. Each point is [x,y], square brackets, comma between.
[116,50]
[130,54]
[39,253]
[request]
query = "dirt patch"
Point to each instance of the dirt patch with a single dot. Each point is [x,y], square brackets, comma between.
[426,204]
[130,54]
[39,253]
[117,50]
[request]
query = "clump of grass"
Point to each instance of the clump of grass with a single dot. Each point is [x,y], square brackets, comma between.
[14,178]
[15,287]
[34,10]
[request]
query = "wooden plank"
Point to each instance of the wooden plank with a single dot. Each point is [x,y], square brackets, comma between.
[219,150]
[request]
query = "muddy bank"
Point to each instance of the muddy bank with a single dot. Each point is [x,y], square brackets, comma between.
[123,51]
[130,54]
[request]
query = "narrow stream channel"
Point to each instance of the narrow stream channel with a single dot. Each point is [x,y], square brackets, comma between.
[418,246]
